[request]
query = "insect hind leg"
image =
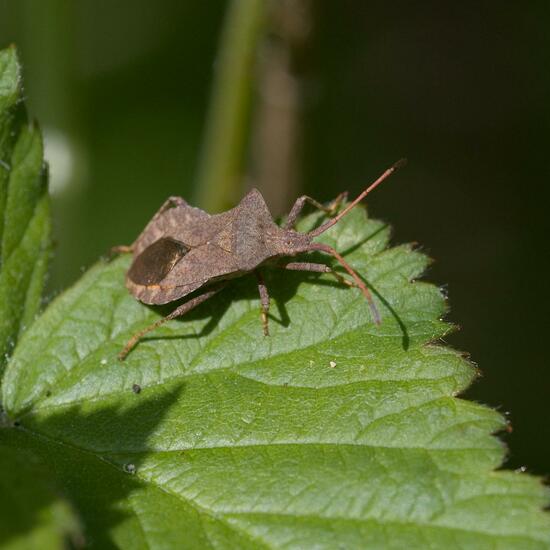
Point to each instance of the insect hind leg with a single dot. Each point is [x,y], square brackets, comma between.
[178,312]
[116,250]
[170,202]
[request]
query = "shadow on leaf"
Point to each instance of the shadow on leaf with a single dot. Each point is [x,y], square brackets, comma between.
[75,448]
[282,285]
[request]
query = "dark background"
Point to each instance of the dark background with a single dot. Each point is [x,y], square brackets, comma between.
[460,88]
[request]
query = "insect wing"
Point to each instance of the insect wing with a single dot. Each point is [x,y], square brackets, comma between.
[156,261]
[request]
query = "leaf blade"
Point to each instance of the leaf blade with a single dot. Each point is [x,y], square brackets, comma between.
[331,430]
[34,514]
[25,225]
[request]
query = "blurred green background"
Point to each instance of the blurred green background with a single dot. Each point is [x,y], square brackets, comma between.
[333,93]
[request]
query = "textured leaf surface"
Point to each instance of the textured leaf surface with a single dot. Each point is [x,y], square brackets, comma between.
[24,211]
[331,433]
[32,512]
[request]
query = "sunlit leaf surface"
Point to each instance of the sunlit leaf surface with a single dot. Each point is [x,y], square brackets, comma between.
[24,211]
[331,433]
[33,513]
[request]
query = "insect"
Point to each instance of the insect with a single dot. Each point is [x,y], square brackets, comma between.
[184,249]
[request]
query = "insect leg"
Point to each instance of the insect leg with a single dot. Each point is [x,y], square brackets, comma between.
[116,250]
[301,201]
[174,200]
[316,268]
[264,298]
[363,287]
[121,249]
[178,312]
[168,203]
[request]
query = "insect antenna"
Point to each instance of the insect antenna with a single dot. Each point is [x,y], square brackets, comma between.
[322,228]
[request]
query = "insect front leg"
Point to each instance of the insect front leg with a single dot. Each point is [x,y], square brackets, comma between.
[178,312]
[360,283]
[264,298]
[316,268]
[301,201]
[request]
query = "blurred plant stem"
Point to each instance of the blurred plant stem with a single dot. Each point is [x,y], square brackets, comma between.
[220,169]
[277,128]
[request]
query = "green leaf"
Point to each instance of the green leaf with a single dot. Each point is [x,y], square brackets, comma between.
[25,240]
[331,433]
[33,514]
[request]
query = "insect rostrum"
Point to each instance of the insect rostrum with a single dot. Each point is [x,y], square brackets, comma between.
[184,249]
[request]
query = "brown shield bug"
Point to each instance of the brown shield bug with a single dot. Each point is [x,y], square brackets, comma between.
[183,249]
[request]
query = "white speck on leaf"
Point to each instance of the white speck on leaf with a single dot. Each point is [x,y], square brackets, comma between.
[130,468]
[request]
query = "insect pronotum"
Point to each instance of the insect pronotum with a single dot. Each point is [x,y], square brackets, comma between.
[183,249]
